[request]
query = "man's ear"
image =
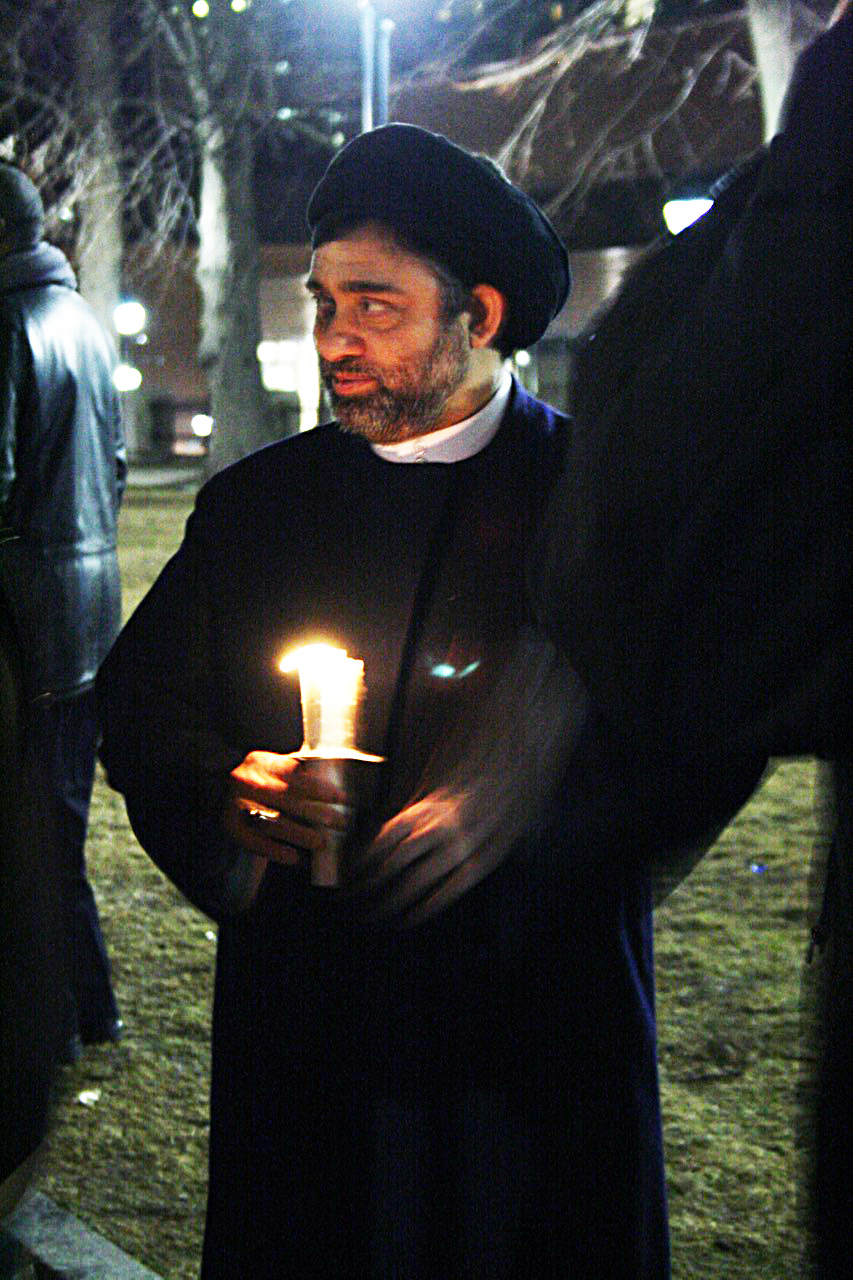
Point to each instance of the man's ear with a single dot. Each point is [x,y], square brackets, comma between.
[488,309]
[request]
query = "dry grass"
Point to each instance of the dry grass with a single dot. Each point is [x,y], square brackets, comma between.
[730,941]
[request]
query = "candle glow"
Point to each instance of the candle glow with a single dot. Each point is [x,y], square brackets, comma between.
[331,684]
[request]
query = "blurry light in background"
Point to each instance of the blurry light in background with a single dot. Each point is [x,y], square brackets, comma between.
[446,670]
[638,12]
[127,378]
[129,317]
[290,365]
[201,9]
[201,425]
[522,359]
[679,214]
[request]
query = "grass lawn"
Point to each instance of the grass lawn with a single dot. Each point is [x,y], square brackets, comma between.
[128,1151]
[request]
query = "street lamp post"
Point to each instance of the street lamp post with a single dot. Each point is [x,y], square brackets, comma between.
[383,69]
[368,58]
[375,66]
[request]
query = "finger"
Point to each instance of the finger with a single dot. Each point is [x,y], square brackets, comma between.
[285,855]
[393,834]
[252,834]
[423,899]
[278,796]
[275,828]
[381,864]
[335,817]
[399,884]
[316,784]
[395,899]
[417,823]
[310,813]
[265,779]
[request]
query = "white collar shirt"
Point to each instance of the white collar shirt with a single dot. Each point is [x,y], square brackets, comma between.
[458,442]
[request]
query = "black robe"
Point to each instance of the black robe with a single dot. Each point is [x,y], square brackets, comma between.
[474,1097]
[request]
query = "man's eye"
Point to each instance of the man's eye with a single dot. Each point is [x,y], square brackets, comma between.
[374,307]
[324,308]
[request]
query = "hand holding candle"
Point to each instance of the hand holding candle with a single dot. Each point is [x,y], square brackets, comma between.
[278,810]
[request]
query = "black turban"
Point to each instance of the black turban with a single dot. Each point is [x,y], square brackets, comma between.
[21,209]
[455,207]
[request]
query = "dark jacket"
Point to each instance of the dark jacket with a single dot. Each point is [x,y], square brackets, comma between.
[696,560]
[62,473]
[340,1050]
[695,565]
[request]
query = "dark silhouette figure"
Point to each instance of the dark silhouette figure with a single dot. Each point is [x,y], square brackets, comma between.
[62,472]
[695,564]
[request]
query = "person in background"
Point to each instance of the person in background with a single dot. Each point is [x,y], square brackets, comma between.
[32,960]
[62,474]
[694,563]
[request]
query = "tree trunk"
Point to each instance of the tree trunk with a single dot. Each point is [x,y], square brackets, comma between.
[96,90]
[100,242]
[228,273]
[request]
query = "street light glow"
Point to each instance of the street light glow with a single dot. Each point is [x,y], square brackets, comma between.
[201,425]
[200,9]
[129,317]
[127,378]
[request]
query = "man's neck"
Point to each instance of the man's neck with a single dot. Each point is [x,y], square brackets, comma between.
[483,380]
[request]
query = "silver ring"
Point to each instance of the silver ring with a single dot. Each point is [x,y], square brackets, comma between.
[258,815]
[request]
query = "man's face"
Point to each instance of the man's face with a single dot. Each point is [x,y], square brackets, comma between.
[394,367]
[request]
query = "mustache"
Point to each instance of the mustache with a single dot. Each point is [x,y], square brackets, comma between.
[349,364]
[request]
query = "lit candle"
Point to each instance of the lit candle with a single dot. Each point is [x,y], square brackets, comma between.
[331,684]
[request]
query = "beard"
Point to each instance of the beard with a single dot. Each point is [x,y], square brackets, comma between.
[410,397]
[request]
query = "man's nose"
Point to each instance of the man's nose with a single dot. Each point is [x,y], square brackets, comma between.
[336,340]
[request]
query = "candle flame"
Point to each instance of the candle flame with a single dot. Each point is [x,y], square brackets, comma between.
[313,656]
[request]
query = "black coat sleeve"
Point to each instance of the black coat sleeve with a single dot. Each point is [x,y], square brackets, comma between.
[695,562]
[163,746]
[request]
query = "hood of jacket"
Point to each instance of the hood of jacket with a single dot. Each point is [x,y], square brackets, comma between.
[62,471]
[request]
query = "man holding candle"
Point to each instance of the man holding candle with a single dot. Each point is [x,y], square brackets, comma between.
[445,1068]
